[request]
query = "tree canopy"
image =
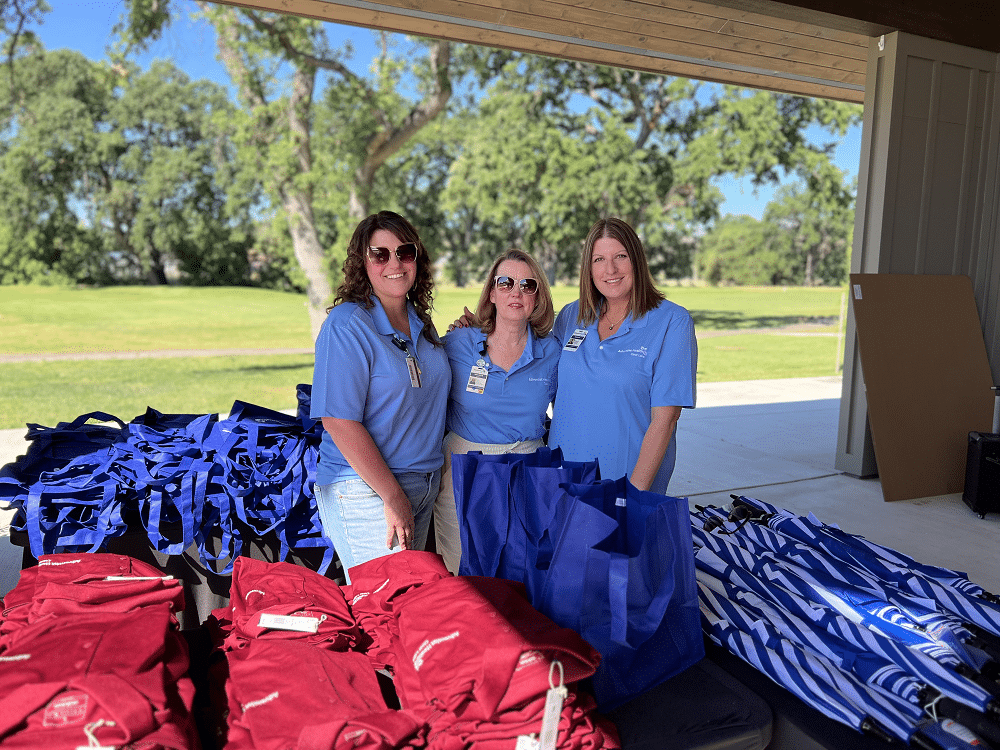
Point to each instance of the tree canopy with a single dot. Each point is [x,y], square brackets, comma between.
[112,174]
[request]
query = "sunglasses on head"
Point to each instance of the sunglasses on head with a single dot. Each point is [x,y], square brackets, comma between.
[506,283]
[405,253]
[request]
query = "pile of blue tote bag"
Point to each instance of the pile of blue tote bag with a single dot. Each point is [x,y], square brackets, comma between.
[183,479]
[613,563]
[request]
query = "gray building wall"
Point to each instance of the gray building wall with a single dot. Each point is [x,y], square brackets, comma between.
[927,192]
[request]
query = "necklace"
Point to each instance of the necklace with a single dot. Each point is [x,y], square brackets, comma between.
[611,326]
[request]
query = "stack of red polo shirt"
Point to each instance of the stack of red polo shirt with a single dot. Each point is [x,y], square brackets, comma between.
[475,660]
[372,593]
[90,655]
[264,596]
[292,679]
[472,661]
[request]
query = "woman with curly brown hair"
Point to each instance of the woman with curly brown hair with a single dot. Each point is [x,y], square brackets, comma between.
[380,386]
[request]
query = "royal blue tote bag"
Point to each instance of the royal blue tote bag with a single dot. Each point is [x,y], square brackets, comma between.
[622,575]
[504,505]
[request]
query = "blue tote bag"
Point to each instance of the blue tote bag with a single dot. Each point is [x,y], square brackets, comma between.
[504,505]
[622,575]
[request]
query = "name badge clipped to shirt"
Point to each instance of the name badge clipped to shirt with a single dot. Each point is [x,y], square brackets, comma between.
[411,361]
[414,368]
[575,340]
[477,378]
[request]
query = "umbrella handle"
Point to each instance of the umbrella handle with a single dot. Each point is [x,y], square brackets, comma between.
[871,728]
[921,741]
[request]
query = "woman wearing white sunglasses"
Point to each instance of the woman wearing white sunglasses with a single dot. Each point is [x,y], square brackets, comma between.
[380,386]
[503,379]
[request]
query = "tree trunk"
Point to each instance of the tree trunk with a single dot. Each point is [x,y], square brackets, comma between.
[156,274]
[298,201]
[309,254]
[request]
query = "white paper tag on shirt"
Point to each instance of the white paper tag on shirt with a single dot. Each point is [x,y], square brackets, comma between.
[620,502]
[288,622]
[477,380]
[411,365]
[575,340]
[550,717]
[526,742]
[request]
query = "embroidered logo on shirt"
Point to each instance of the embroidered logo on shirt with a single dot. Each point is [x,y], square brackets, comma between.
[640,352]
[66,710]
[418,657]
[266,699]
[538,380]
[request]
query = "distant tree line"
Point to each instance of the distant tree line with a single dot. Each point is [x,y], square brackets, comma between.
[112,174]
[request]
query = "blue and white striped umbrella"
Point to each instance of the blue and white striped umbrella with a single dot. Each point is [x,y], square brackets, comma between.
[940,676]
[817,682]
[950,589]
[875,670]
[868,666]
[857,605]
[824,686]
[765,543]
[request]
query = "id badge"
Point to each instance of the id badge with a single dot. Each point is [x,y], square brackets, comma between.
[477,380]
[575,340]
[411,365]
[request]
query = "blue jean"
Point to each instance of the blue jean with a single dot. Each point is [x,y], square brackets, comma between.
[353,515]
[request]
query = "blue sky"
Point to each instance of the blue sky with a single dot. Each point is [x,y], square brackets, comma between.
[85,25]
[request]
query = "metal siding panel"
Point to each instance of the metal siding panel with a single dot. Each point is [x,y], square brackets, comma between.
[903,252]
[955,88]
[917,88]
[943,207]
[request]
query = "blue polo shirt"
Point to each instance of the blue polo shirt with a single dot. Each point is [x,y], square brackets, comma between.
[513,405]
[361,375]
[607,388]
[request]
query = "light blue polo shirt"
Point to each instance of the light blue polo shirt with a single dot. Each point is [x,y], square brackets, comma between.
[607,388]
[513,405]
[361,375]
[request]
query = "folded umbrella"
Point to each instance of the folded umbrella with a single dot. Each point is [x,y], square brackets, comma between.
[951,589]
[932,672]
[747,610]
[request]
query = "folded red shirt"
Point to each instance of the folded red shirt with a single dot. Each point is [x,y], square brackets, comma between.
[287,602]
[287,694]
[61,678]
[475,647]
[79,568]
[373,589]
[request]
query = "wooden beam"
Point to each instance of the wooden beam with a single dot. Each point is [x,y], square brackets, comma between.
[689,9]
[786,79]
[664,32]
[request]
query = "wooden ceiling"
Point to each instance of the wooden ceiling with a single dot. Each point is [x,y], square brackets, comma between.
[797,46]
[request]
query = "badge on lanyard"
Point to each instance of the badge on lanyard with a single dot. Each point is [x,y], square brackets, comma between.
[411,361]
[477,378]
[575,340]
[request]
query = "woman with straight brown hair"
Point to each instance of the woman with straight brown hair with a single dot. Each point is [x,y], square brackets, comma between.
[627,367]
[503,379]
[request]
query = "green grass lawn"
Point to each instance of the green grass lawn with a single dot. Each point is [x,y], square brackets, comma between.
[50,319]
[53,319]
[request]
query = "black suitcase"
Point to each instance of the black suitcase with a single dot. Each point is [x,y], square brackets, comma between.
[982,473]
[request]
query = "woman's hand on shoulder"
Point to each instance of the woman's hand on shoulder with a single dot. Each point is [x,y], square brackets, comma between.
[463,322]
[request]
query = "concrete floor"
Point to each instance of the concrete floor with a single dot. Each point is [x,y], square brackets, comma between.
[776,441]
